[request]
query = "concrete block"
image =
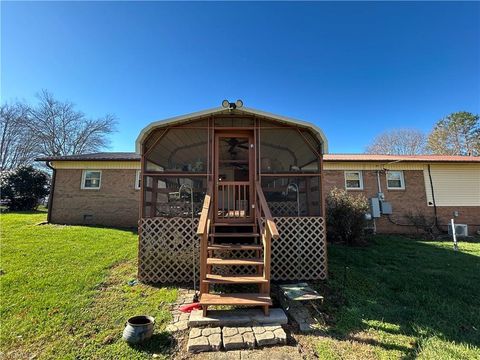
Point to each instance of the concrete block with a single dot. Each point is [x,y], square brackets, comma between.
[240,317]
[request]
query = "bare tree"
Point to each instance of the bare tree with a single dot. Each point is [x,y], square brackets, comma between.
[60,129]
[456,134]
[398,142]
[18,146]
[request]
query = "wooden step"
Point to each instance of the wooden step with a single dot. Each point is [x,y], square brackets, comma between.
[252,299]
[233,224]
[235,235]
[234,279]
[222,261]
[234,247]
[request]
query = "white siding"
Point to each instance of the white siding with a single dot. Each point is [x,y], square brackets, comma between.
[89,165]
[364,165]
[454,185]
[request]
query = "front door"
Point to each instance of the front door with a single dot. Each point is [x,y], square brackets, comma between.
[234,158]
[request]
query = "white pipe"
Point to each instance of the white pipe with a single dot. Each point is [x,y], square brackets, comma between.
[378,182]
[454,233]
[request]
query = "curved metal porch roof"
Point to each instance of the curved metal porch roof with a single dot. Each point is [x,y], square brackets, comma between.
[200,114]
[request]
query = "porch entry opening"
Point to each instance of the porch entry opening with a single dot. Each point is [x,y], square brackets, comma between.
[234,176]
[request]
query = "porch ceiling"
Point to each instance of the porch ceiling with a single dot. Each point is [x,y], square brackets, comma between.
[219,110]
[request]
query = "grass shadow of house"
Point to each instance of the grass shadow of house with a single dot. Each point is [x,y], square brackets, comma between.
[402,287]
[131,230]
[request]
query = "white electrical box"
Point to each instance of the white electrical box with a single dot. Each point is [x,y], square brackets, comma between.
[386,207]
[375,207]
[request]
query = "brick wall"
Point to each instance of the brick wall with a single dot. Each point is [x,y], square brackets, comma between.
[411,200]
[115,204]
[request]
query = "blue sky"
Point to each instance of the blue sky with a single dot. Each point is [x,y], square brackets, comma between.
[354,69]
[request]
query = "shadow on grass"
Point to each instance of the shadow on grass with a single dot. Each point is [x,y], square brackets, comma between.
[409,353]
[400,286]
[5,210]
[161,343]
[132,230]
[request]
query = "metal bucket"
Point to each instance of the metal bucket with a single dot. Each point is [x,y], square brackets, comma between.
[138,329]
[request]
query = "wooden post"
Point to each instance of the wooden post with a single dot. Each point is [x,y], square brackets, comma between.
[267,251]
[323,215]
[321,186]
[268,232]
[153,202]
[203,233]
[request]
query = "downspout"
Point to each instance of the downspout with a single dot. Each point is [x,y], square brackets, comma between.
[433,197]
[379,186]
[52,191]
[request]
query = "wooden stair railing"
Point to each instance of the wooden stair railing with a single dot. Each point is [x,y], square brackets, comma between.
[212,249]
[203,231]
[268,231]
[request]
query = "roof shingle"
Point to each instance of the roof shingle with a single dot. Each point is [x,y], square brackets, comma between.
[378,157]
[102,156]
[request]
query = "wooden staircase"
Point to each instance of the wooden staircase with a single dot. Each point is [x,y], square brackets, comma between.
[218,240]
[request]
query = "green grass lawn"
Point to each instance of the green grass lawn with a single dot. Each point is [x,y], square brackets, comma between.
[65,292]
[65,295]
[402,299]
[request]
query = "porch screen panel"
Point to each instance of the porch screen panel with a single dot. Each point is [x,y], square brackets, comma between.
[285,150]
[179,150]
[292,196]
[170,196]
[233,122]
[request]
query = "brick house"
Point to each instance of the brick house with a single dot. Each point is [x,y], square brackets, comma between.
[455,182]
[254,175]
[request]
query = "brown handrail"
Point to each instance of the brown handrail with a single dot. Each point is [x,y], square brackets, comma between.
[267,233]
[203,222]
[203,231]
[264,211]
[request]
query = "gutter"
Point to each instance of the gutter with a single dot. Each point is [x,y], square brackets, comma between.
[52,191]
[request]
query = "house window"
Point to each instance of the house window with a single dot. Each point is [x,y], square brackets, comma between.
[91,179]
[395,180]
[138,179]
[353,180]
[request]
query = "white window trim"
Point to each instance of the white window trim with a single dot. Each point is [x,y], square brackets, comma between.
[138,174]
[84,173]
[402,180]
[360,177]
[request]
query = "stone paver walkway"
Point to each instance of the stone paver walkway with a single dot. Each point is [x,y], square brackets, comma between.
[235,338]
[272,353]
[269,335]
[232,335]
[180,319]
[207,339]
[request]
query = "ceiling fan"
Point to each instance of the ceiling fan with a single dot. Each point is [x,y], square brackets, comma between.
[233,143]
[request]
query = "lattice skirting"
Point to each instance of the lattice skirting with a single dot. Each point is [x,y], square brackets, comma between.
[301,251]
[166,246]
